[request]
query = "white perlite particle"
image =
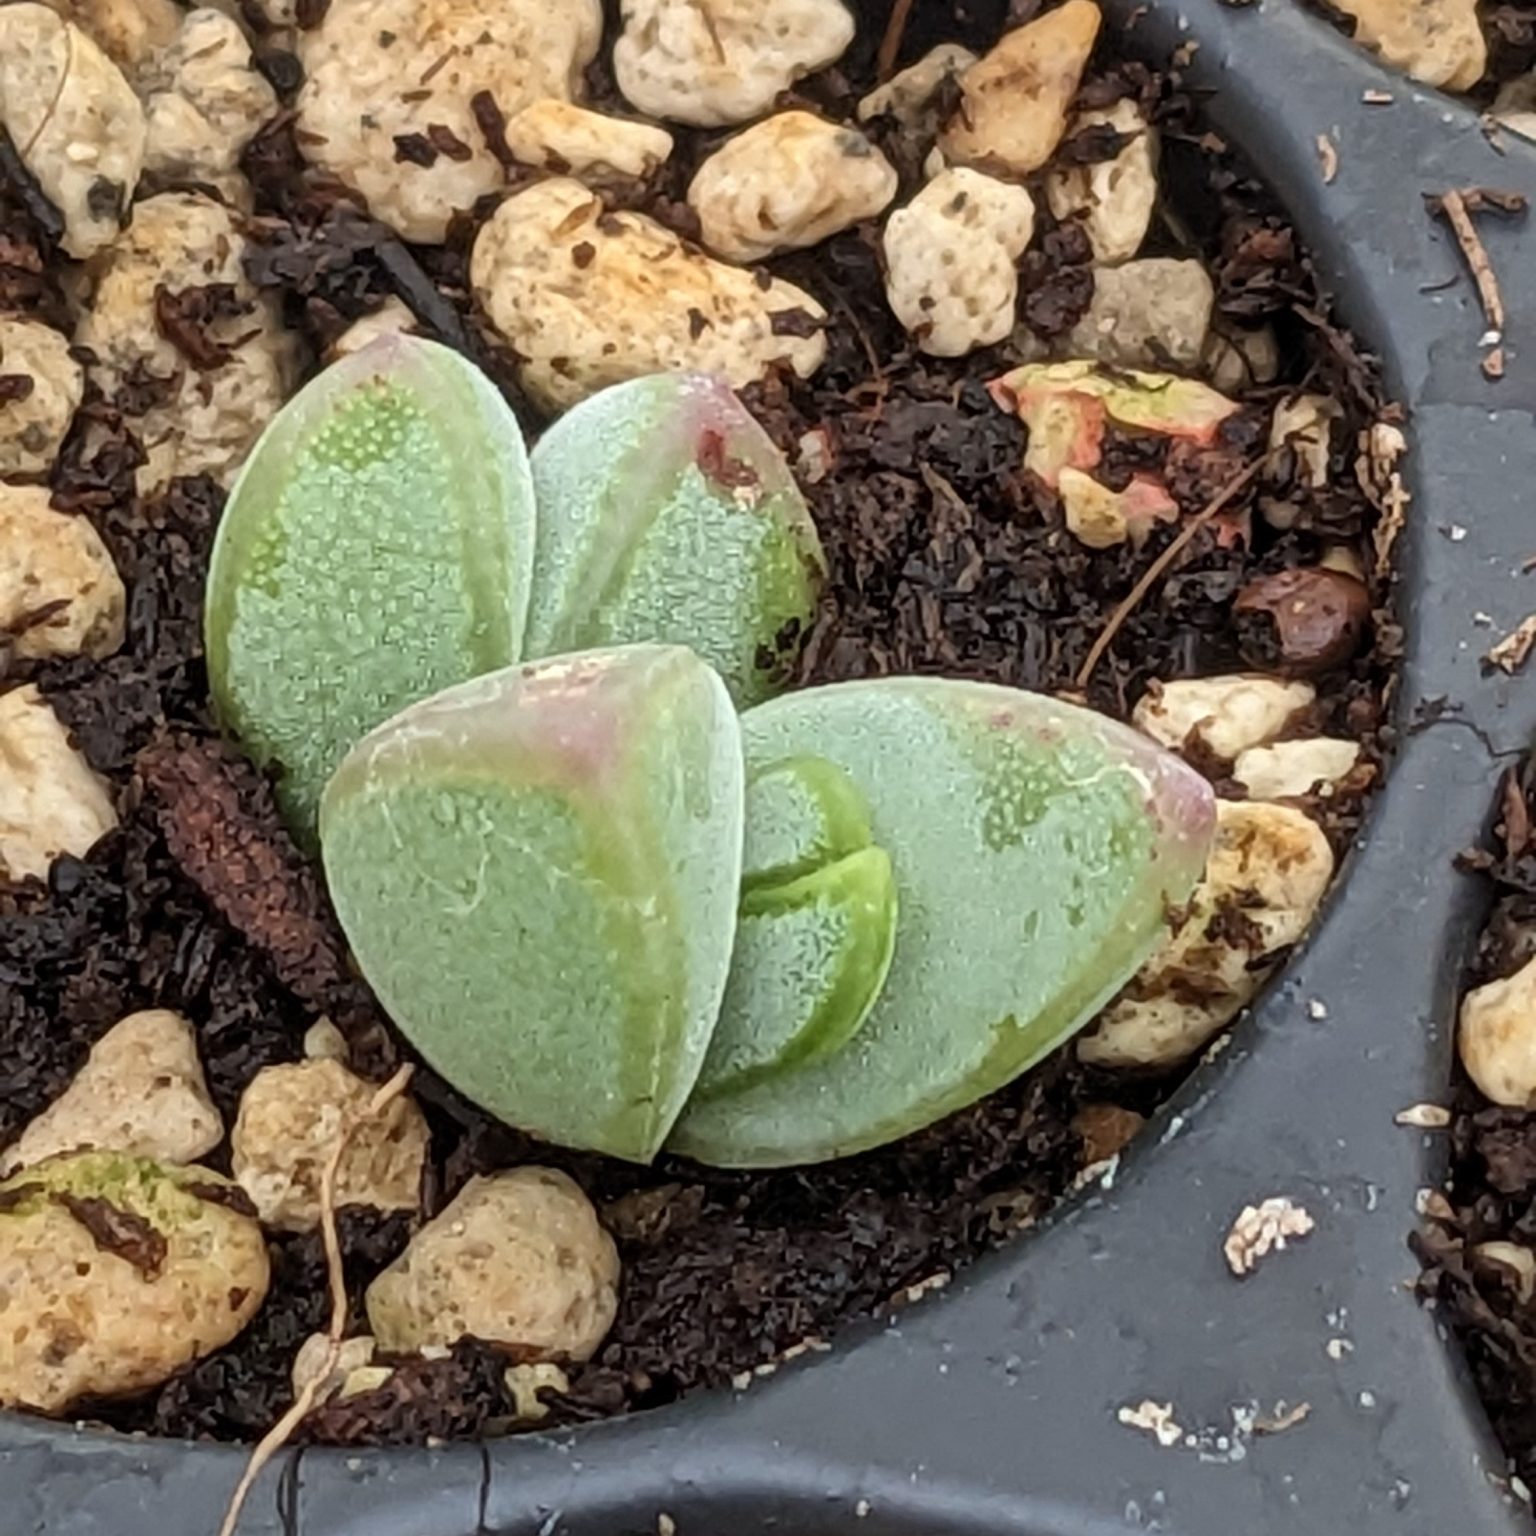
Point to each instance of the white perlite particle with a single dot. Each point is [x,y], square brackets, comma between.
[920,1288]
[1155,1419]
[1424,1117]
[1262,1229]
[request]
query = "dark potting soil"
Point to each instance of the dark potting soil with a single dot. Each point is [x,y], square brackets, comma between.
[1511,32]
[1490,1195]
[944,559]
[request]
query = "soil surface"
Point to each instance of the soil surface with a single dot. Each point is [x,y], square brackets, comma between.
[944,560]
[1490,1195]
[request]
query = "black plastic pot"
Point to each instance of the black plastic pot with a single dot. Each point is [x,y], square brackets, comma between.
[993,1406]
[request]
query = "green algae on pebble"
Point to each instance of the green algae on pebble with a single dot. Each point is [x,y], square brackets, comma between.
[376,547]
[538,873]
[667,514]
[811,957]
[166,1195]
[802,813]
[1037,849]
[115,1273]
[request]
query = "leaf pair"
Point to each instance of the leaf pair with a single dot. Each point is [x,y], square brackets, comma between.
[389,537]
[538,872]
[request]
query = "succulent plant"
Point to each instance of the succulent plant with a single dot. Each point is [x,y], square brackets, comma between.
[802,813]
[552,873]
[1037,849]
[667,514]
[538,873]
[810,959]
[377,546]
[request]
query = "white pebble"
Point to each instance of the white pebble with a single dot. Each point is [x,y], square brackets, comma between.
[560,136]
[51,802]
[1291,768]
[32,428]
[132,33]
[951,258]
[516,1258]
[290,1119]
[74,120]
[141,1091]
[909,94]
[715,62]
[1265,879]
[1225,715]
[1497,1037]
[211,103]
[791,181]
[588,298]
[1114,198]
[1437,41]
[48,558]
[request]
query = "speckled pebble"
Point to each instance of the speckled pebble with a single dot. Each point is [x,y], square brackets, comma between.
[141,1091]
[791,181]
[378,71]
[516,1258]
[1263,884]
[33,424]
[290,1119]
[117,1272]
[588,298]
[714,62]
[55,564]
[181,241]
[951,261]
[1015,100]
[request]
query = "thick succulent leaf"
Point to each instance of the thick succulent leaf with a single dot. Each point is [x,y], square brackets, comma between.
[810,959]
[1037,849]
[538,872]
[667,514]
[377,546]
[802,813]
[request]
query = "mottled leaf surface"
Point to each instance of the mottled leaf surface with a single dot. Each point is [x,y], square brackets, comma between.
[538,873]
[810,960]
[1036,849]
[667,514]
[377,547]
